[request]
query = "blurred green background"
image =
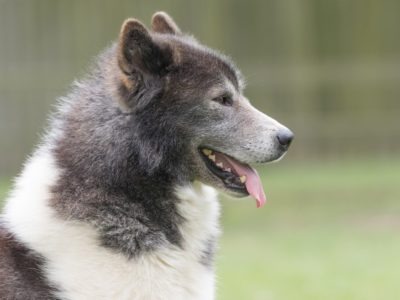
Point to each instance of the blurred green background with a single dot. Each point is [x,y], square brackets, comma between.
[328,69]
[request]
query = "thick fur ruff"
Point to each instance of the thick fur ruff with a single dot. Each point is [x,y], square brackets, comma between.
[80,268]
[118,201]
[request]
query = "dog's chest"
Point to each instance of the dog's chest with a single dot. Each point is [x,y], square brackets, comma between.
[83,269]
[87,271]
[92,272]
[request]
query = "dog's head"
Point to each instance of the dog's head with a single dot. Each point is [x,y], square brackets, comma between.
[189,100]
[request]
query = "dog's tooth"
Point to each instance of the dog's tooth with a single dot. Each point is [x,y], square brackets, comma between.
[207,152]
[243,178]
[212,157]
[220,165]
[228,170]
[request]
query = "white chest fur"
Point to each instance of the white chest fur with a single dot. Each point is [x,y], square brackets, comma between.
[85,270]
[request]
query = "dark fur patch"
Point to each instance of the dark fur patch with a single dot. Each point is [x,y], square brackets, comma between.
[137,50]
[208,254]
[21,272]
[115,173]
[120,168]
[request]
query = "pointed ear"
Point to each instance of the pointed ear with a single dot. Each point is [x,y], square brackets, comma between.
[138,51]
[161,22]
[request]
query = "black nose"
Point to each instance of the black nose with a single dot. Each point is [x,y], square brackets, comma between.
[285,137]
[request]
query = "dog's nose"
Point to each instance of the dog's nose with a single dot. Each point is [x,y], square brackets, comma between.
[285,137]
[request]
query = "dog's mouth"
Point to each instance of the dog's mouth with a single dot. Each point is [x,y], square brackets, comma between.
[236,176]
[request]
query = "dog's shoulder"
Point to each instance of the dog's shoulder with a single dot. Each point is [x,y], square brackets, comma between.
[21,270]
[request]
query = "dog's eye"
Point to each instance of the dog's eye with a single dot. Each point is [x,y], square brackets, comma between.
[224,100]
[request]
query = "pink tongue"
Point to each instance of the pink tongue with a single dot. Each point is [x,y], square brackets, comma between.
[253,181]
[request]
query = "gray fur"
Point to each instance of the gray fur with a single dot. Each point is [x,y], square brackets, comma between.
[207,259]
[129,134]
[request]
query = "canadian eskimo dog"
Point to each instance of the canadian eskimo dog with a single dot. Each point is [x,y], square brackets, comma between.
[118,201]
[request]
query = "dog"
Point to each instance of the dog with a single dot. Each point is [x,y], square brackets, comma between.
[119,200]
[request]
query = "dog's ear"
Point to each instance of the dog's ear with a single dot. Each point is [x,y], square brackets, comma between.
[137,51]
[161,22]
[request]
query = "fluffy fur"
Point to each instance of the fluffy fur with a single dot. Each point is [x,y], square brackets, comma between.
[82,268]
[116,202]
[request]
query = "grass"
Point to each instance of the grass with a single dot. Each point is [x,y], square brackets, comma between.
[329,231]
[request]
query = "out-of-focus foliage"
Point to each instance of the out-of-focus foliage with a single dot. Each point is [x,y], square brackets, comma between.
[328,69]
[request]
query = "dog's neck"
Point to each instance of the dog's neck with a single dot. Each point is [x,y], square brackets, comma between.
[131,224]
[123,185]
[133,216]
